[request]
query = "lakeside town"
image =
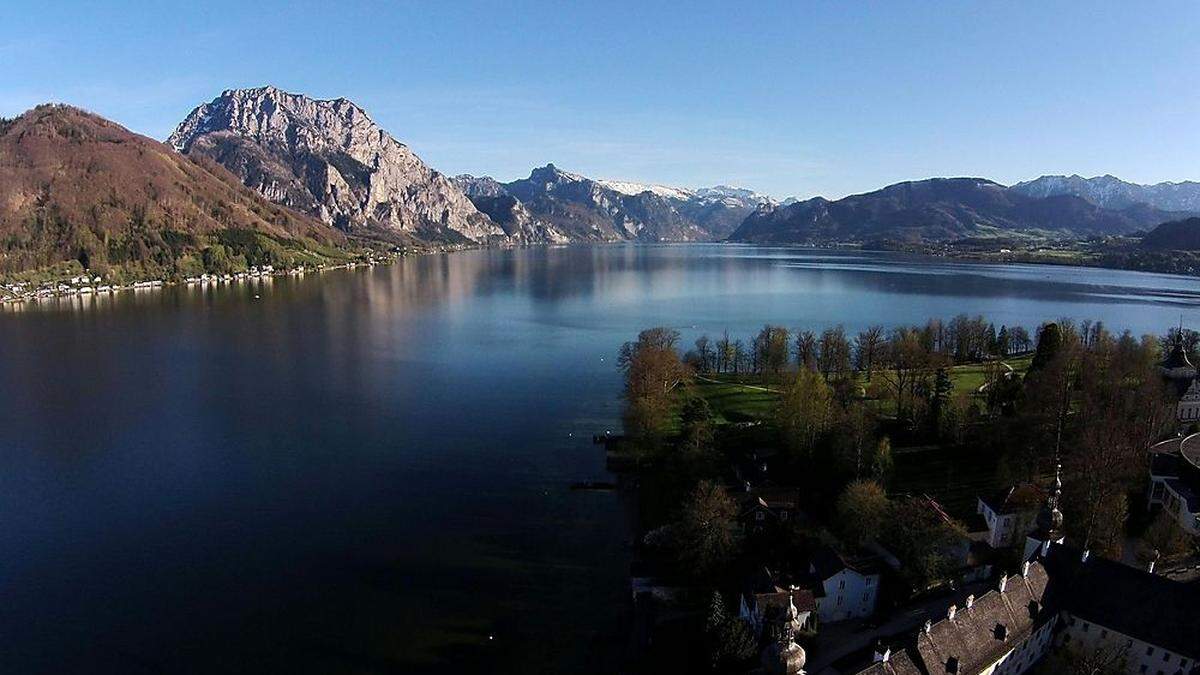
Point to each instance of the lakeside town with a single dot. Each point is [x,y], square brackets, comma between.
[945,498]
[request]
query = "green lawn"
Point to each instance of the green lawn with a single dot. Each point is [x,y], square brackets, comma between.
[740,398]
[735,401]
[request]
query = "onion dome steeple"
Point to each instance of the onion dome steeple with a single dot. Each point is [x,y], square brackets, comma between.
[1049,520]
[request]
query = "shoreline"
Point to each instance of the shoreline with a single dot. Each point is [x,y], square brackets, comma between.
[84,286]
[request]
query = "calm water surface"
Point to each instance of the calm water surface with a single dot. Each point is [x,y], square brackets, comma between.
[367,471]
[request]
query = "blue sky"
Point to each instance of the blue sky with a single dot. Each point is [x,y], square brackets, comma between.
[787,98]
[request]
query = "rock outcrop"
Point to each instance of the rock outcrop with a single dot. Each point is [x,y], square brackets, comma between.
[328,158]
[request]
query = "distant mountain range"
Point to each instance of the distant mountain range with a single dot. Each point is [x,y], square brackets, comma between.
[942,209]
[304,173]
[1111,192]
[576,208]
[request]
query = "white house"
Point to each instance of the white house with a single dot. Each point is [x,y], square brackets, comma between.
[848,587]
[1009,514]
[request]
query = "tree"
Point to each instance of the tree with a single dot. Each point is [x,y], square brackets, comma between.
[833,359]
[707,530]
[881,463]
[1050,340]
[862,511]
[868,346]
[705,354]
[728,637]
[804,411]
[772,344]
[653,372]
[725,354]
[1003,343]
[922,540]
[806,350]
[696,425]
[1168,541]
[1019,337]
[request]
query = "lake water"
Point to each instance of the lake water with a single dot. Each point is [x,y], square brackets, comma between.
[366,471]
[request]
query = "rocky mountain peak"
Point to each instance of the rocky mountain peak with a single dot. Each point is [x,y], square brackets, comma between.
[330,159]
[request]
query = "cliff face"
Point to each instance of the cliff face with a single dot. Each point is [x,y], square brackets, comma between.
[330,160]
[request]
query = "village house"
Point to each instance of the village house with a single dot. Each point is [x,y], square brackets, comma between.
[765,509]
[1009,514]
[846,587]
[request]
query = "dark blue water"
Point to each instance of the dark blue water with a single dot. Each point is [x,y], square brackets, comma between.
[366,471]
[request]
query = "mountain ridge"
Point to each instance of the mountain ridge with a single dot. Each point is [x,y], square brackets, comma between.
[77,187]
[329,159]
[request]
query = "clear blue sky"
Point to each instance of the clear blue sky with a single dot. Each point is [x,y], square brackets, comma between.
[787,98]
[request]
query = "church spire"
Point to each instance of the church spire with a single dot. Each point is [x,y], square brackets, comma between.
[1049,519]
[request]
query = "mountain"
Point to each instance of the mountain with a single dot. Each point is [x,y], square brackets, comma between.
[1111,192]
[330,160]
[587,209]
[76,188]
[1178,235]
[939,209]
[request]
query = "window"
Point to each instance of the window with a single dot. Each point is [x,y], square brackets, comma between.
[1143,668]
[1166,657]
[1103,634]
[1086,626]
[1149,651]
[759,516]
[839,601]
[869,580]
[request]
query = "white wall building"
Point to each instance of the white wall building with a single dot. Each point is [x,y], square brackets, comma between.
[849,586]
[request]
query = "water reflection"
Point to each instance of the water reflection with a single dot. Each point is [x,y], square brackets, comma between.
[365,470]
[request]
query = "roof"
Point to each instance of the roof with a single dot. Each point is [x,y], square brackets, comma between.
[1176,358]
[827,562]
[974,636]
[898,663]
[1015,499]
[774,605]
[1145,606]
[1164,464]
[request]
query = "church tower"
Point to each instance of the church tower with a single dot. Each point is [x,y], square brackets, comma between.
[1049,521]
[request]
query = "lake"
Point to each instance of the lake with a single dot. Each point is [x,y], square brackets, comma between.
[366,471]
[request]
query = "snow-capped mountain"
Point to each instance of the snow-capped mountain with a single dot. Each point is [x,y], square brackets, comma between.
[1113,193]
[584,208]
[329,159]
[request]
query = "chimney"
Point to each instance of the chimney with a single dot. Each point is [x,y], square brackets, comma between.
[953,610]
[970,601]
[1003,582]
[1086,553]
[928,626]
[1025,569]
